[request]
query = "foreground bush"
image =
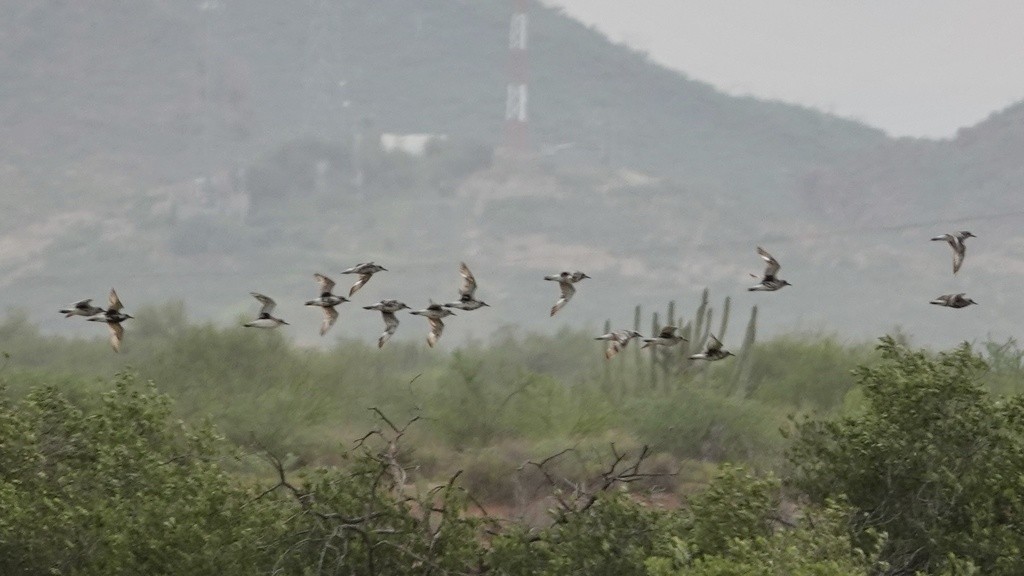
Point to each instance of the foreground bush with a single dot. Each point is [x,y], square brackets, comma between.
[934,461]
[121,490]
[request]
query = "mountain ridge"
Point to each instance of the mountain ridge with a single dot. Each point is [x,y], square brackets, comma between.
[208,151]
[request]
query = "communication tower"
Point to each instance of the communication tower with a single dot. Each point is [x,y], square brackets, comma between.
[516,118]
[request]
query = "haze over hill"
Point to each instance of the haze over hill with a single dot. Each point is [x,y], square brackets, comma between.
[192,152]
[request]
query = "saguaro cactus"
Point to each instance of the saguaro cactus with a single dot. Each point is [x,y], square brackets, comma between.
[741,381]
[670,364]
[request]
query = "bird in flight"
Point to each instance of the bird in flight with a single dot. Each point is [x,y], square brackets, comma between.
[466,299]
[712,350]
[956,242]
[264,320]
[769,282]
[617,341]
[565,282]
[81,308]
[434,313]
[387,309]
[365,271]
[667,337]
[953,300]
[113,316]
[327,301]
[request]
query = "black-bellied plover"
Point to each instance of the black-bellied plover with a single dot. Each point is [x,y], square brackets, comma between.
[327,301]
[617,341]
[264,320]
[466,299]
[434,313]
[565,282]
[956,242]
[667,337]
[82,308]
[953,300]
[769,283]
[712,350]
[365,271]
[113,317]
[387,309]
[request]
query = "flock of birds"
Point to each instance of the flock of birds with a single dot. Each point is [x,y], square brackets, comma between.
[327,301]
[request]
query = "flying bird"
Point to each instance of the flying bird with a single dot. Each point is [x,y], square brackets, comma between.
[466,291]
[434,313]
[712,350]
[264,320]
[953,300]
[387,309]
[565,282]
[365,271]
[327,301]
[667,337]
[617,341]
[769,283]
[81,308]
[956,242]
[113,317]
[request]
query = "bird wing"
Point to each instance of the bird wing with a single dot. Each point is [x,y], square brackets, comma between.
[325,283]
[82,304]
[667,332]
[773,265]
[363,278]
[390,325]
[267,302]
[567,292]
[330,317]
[357,268]
[436,328]
[468,281]
[714,344]
[959,250]
[115,302]
[613,348]
[116,333]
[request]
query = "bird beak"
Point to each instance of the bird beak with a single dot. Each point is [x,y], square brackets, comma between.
[285,323]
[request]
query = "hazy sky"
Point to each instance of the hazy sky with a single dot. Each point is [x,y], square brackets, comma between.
[910,67]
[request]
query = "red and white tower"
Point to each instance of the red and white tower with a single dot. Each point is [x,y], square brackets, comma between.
[516,133]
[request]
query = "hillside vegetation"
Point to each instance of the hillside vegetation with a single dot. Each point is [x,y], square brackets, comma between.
[189,153]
